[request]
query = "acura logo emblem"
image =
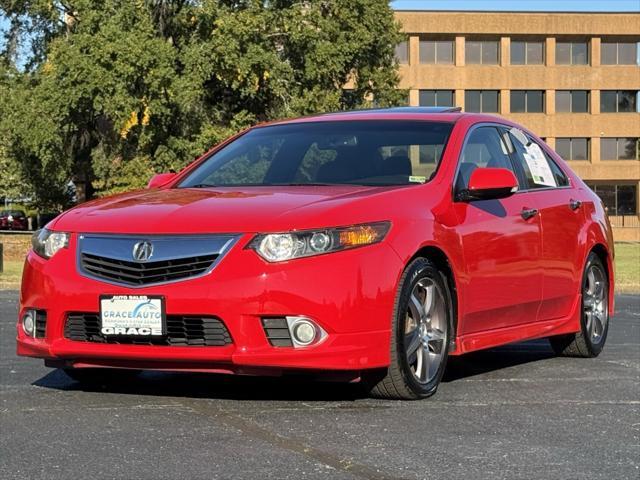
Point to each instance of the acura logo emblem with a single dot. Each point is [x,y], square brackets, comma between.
[142,251]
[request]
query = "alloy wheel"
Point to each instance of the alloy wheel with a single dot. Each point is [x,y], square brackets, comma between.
[595,303]
[426,330]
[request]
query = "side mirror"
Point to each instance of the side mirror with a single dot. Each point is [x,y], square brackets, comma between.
[489,184]
[160,179]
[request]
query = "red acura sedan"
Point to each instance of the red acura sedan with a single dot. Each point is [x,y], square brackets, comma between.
[365,245]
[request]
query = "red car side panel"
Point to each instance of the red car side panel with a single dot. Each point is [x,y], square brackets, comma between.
[599,234]
[563,251]
[595,229]
[502,263]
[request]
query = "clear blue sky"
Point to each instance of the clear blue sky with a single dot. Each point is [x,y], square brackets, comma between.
[522,5]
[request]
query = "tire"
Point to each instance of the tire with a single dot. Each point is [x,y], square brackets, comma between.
[594,319]
[420,338]
[99,376]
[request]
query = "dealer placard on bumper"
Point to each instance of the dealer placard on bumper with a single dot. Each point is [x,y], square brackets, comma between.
[132,315]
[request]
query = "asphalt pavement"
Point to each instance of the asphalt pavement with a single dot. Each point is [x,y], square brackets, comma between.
[512,412]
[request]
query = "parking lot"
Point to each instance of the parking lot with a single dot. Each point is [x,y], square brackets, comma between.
[512,412]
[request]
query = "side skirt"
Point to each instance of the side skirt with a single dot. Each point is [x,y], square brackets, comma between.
[519,333]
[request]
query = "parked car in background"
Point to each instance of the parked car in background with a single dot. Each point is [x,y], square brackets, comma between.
[369,244]
[13,220]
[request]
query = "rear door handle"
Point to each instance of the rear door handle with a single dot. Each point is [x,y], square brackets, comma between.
[527,213]
[574,204]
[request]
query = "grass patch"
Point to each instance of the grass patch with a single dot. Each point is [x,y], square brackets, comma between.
[627,270]
[628,267]
[11,274]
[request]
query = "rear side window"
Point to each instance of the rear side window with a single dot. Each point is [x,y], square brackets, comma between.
[561,178]
[535,165]
[484,148]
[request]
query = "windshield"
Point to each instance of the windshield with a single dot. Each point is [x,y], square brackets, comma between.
[13,213]
[371,152]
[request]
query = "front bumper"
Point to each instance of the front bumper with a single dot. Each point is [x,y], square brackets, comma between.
[350,294]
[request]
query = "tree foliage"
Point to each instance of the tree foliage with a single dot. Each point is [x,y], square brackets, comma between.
[112,91]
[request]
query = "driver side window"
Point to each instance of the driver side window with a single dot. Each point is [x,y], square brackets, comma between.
[484,148]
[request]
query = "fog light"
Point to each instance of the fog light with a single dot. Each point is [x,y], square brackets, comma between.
[304,331]
[29,322]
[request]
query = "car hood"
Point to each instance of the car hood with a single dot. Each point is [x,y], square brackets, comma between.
[228,210]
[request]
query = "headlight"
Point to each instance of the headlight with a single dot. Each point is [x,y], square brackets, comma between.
[279,247]
[47,243]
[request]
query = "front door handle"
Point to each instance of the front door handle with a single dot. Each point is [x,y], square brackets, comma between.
[574,204]
[527,213]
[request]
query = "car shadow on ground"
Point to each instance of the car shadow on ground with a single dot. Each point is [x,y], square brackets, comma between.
[288,387]
[495,359]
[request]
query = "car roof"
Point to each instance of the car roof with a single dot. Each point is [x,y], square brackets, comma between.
[434,114]
[442,114]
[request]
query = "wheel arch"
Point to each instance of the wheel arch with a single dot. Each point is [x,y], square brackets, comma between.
[442,262]
[606,257]
[602,252]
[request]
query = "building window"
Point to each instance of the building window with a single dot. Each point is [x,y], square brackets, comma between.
[530,101]
[618,199]
[619,149]
[402,52]
[619,53]
[573,101]
[527,53]
[485,52]
[618,101]
[573,148]
[437,51]
[436,98]
[572,53]
[486,101]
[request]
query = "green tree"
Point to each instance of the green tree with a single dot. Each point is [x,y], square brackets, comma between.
[11,185]
[109,92]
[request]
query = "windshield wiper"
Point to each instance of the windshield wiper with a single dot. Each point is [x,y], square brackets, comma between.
[284,184]
[309,184]
[203,185]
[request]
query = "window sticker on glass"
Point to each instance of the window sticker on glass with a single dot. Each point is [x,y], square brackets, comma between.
[417,179]
[520,136]
[538,165]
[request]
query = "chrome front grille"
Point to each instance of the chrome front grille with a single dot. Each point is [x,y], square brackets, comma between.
[134,273]
[114,259]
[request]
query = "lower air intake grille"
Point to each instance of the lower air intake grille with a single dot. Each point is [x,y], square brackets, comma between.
[277,332]
[41,323]
[181,331]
